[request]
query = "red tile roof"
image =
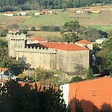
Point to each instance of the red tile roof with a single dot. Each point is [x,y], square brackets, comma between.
[3,69]
[53,44]
[2,80]
[8,12]
[63,46]
[71,47]
[84,42]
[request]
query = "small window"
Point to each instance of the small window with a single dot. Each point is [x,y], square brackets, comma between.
[94,92]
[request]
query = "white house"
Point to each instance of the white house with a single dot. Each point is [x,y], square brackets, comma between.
[8,13]
[100,40]
[6,74]
[22,13]
[37,14]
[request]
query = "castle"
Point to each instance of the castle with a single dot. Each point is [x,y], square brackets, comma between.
[38,52]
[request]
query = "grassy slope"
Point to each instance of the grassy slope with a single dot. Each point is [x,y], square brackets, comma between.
[44,34]
[2,18]
[101,21]
[48,19]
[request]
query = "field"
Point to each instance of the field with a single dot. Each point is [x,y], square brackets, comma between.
[101,20]
[43,34]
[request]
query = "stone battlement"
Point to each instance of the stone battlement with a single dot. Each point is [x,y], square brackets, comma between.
[36,50]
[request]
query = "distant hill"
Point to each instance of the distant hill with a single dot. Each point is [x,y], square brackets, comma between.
[6,5]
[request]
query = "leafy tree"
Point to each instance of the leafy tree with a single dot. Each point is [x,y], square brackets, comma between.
[17,98]
[33,28]
[104,57]
[70,31]
[76,79]
[89,74]
[3,32]
[91,34]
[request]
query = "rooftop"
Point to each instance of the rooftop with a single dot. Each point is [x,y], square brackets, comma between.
[84,42]
[3,69]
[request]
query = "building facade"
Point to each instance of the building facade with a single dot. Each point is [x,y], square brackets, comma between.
[49,55]
[92,95]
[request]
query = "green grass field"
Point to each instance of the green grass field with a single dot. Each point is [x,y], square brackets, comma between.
[103,28]
[2,18]
[48,19]
[102,21]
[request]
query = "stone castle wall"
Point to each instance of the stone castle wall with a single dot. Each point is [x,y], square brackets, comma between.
[67,61]
[44,58]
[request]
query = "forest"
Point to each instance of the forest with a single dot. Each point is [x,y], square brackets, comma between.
[6,5]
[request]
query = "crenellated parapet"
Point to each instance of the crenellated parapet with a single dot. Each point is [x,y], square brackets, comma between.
[37,50]
[16,36]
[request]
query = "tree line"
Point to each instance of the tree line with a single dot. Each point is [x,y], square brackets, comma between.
[17,98]
[6,5]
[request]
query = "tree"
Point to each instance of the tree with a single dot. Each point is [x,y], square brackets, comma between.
[104,57]
[70,31]
[33,28]
[89,74]
[3,32]
[76,79]
[17,98]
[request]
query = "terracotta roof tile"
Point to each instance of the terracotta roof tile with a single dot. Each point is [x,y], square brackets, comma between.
[53,44]
[84,42]
[3,69]
[8,12]
[63,46]
[71,47]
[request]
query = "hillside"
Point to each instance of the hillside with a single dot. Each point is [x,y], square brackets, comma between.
[7,5]
[100,20]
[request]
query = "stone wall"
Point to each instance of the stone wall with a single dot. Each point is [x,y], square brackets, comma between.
[44,58]
[67,61]
[72,61]
[15,41]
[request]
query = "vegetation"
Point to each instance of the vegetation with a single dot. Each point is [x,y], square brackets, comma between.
[89,74]
[70,31]
[50,4]
[76,79]
[10,62]
[3,32]
[104,57]
[17,98]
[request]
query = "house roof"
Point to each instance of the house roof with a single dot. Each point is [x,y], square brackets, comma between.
[53,44]
[92,80]
[3,69]
[2,80]
[63,46]
[8,12]
[71,47]
[84,42]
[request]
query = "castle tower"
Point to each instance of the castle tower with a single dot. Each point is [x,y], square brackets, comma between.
[14,42]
